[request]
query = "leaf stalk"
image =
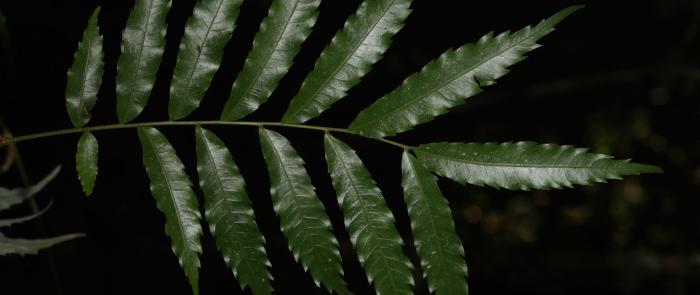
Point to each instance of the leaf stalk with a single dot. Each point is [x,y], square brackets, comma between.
[9,140]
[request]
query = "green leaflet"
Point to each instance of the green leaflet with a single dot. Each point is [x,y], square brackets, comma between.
[24,246]
[352,52]
[368,220]
[303,217]
[12,221]
[11,197]
[229,213]
[86,161]
[172,190]
[85,75]
[201,51]
[524,165]
[439,247]
[455,75]
[143,44]
[287,25]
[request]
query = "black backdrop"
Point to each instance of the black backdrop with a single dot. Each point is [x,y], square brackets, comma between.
[620,77]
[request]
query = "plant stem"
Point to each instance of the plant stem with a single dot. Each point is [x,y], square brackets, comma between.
[6,141]
[19,163]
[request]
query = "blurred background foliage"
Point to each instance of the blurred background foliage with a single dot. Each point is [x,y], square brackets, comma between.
[620,77]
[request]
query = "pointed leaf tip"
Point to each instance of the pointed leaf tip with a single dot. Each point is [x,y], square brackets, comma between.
[562,14]
[32,246]
[567,11]
[651,169]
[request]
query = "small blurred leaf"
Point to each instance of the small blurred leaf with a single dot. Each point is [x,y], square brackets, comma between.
[11,197]
[25,246]
[86,161]
[13,221]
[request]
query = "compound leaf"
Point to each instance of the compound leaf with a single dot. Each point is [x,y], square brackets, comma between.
[368,220]
[86,161]
[524,165]
[143,44]
[440,250]
[25,246]
[172,190]
[200,54]
[303,218]
[447,81]
[352,52]
[229,212]
[287,25]
[11,197]
[85,75]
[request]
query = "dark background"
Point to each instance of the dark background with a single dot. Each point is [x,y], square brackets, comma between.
[620,77]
